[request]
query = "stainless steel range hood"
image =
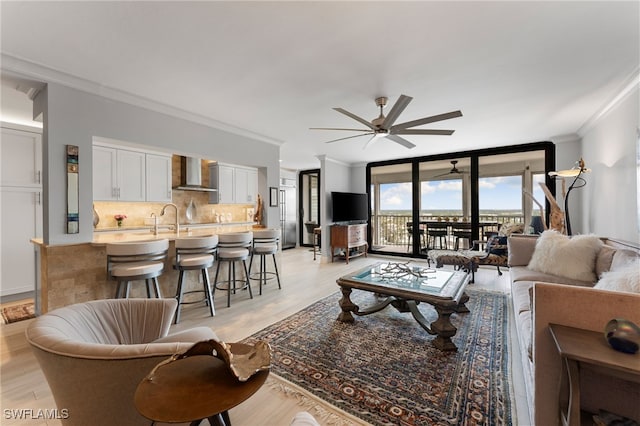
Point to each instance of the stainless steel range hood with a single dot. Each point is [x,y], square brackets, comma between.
[191,175]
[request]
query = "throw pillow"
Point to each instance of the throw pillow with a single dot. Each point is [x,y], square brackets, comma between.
[511,228]
[625,279]
[497,245]
[569,257]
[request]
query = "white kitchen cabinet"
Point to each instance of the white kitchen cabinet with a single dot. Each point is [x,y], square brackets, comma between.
[246,185]
[127,175]
[235,185]
[105,180]
[131,175]
[21,153]
[20,209]
[20,221]
[158,178]
[222,178]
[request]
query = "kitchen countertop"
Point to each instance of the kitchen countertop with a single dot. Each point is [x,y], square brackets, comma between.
[131,234]
[146,234]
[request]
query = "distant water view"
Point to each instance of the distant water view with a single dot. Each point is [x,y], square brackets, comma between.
[454,213]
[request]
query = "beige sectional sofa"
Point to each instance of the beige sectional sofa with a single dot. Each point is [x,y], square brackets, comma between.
[541,298]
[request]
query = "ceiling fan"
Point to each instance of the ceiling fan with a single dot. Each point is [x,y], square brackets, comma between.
[383,127]
[454,170]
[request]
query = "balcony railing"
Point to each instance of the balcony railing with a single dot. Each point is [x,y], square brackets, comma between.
[391,230]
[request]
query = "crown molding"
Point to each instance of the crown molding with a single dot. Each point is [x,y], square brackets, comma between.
[631,83]
[24,68]
[325,158]
[570,137]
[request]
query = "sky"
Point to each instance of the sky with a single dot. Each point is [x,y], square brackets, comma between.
[497,193]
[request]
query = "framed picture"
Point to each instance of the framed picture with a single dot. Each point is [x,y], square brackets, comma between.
[273,196]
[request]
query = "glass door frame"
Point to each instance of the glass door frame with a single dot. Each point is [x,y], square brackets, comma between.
[302,197]
[549,163]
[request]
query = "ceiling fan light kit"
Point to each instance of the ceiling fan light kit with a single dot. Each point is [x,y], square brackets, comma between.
[383,126]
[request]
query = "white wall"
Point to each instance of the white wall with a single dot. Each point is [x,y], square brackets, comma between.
[334,176]
[610,202]
[567,153]
[74,117]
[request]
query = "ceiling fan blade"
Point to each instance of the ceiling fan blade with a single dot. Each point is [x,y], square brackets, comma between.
[370,142]
[339,128]
[424,132]
[426,120]
[401,141]
[355,117]
[349,137]
[395,111]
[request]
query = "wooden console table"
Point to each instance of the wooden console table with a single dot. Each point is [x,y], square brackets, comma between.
[350,238]
[578,346]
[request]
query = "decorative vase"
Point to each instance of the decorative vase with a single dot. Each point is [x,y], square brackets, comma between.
[623,335]
[119,223]
[96,218]
[191,212]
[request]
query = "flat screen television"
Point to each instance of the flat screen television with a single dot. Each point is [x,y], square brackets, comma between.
[350,207]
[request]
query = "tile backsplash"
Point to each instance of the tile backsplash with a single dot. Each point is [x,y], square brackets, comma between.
[137,212]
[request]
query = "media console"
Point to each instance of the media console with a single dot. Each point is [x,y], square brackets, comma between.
[351,240]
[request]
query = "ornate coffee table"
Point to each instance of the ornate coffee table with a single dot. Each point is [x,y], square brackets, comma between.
[405,285]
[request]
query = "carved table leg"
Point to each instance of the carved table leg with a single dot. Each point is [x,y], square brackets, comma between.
[462,308]
[444,329]
[347,306]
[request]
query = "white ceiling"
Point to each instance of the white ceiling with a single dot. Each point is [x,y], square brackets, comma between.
[519,71]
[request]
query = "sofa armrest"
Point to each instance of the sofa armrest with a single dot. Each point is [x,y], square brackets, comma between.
[520,248]
[589,309]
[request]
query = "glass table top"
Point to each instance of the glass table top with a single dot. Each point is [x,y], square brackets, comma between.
[408,276]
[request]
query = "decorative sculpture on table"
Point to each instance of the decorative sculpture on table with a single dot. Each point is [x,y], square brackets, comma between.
[259,208]
[623,335]
[556,215]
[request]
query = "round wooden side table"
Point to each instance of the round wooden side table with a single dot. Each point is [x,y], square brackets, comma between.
[195,388]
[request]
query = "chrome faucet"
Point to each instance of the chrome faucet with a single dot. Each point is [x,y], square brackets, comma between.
[164,208]
[155,223]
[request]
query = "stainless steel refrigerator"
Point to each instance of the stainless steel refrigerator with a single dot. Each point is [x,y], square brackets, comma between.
[288,216]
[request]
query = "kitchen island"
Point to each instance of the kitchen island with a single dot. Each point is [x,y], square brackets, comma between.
[74,273]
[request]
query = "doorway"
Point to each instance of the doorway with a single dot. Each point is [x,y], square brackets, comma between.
[309,196]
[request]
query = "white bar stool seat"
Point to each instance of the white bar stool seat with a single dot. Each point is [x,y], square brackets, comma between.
[265,243]
[195,253]
[137,261]
[233,248]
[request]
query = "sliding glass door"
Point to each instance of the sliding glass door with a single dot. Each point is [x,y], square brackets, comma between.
[452,201]
[391,196]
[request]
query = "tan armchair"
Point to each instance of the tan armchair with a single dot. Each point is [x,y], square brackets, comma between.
[94,354]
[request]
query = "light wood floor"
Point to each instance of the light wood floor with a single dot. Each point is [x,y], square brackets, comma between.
[304,281]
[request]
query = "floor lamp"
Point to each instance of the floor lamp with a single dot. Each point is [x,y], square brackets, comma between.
[578,182]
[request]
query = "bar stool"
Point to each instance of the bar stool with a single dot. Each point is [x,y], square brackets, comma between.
[317,238]
[265,242]
[195,253]
[232,248]
[137,261]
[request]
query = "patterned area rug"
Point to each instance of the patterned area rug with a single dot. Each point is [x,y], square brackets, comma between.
[384,370]
[17,313]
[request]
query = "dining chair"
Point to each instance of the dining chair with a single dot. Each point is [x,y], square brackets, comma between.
[437,231]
